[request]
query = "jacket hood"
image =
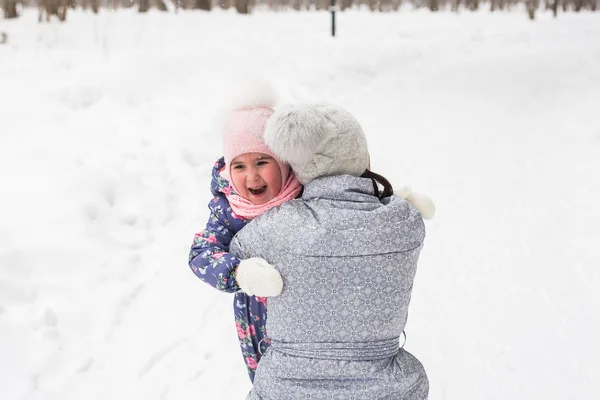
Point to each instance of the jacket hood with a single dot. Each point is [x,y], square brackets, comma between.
[219,186]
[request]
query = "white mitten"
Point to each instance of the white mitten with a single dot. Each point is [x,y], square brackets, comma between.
[256,277]
[421,202]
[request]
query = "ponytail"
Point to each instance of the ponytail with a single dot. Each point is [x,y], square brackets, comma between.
[377,180]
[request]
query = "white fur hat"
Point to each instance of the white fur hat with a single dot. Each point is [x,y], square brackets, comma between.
[317,141]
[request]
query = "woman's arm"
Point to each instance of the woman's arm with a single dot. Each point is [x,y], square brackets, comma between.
[255,275]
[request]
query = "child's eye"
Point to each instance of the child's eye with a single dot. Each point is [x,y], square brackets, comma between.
[238,166]
[262,163]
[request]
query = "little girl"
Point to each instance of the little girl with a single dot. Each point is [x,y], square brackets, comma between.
[246,182]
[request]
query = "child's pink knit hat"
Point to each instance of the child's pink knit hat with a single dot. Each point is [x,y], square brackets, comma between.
[243,132]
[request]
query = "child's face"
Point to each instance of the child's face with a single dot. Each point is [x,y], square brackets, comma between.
[256,177]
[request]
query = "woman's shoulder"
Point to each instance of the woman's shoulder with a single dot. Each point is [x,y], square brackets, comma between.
[288,214]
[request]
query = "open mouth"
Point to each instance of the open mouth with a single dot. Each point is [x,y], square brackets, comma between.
[258,191]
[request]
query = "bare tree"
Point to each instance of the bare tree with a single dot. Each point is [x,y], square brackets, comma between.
[500,4]
[242,6]
[472,4]
[532,5]
[324,4]
[374,5]
[10,8]
[200,5]
[53,7]
[94,4]
[145,5]
[581,4]
[385,5]
[344,4]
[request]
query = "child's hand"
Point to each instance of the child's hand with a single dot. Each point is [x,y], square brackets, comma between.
[421,202]
[256,277]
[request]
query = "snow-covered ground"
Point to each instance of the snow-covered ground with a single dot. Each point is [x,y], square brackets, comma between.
[107,138]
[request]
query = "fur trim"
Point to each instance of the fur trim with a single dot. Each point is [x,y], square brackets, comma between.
[294,133]
[317,140]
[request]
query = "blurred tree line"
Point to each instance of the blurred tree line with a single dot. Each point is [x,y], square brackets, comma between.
[58,8]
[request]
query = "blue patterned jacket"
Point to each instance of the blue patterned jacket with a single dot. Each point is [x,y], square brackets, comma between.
[210,260]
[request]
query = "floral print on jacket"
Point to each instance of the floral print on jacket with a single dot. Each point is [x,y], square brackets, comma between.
[210,260]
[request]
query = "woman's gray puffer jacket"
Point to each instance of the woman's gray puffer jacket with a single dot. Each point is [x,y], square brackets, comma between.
[348,261]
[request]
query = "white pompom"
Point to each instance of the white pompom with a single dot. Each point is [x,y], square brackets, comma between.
[422,203]
[403,192]
[249,91]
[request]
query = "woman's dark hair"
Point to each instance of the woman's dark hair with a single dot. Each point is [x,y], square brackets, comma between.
[377,180]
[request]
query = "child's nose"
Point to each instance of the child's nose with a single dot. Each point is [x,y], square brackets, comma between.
[253,174]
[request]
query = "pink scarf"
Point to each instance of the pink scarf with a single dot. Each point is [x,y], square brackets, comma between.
[245,209]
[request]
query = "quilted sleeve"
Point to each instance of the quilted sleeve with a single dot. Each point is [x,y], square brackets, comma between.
[209,256]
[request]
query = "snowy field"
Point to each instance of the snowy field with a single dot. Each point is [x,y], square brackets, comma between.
[107,138]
